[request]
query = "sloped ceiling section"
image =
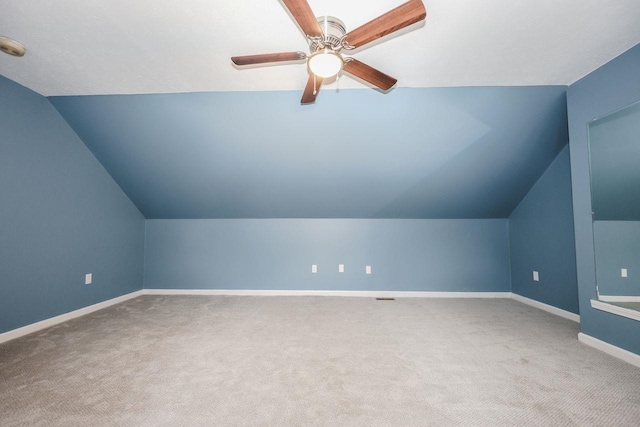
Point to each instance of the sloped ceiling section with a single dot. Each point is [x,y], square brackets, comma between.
[411,153]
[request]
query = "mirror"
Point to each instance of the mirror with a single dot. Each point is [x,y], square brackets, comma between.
[614,150]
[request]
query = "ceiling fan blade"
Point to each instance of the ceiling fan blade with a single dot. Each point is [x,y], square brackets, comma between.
[369,74]
[302,13]
[269,57]
[396,19]
[313,85]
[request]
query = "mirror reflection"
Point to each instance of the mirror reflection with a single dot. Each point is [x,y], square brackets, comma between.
[614,148]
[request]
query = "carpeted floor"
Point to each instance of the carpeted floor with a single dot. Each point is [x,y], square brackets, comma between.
[314,361]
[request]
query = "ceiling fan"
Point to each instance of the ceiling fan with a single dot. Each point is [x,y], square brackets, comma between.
[327,37]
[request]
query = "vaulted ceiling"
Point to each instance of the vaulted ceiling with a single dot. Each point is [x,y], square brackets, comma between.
[477,115]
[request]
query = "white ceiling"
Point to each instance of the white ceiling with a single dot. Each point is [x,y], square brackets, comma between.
[81,47]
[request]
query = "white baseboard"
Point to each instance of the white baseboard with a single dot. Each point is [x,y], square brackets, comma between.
[610,349]
[619,298]
[330,293]
[47,323]
[546,307]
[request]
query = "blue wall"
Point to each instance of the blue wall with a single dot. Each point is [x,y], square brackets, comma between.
[617,246]
[609,88]
[614,148]
[541,238]
[61,216]
[65,216]
[405,255]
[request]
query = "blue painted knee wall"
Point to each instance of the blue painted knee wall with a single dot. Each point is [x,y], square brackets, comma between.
[404,255]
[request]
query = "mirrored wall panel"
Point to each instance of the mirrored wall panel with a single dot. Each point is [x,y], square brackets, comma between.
[614,147]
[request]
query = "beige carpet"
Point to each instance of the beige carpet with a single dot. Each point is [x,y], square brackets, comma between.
[314,361]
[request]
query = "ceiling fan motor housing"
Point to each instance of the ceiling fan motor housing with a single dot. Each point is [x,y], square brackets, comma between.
[333,32]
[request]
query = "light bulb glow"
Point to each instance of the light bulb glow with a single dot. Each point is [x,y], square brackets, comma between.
[325,63]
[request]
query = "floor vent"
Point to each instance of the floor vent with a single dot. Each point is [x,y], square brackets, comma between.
[385,299]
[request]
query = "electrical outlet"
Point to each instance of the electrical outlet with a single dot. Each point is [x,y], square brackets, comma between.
[367,269]
[88,278]
[536,276]
[314,268]
[623,272]
[340,268]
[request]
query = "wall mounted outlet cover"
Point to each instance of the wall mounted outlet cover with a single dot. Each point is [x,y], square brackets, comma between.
[88,278]
[340,268]
[367,269]
[536,276]
[314,268]
[623,272]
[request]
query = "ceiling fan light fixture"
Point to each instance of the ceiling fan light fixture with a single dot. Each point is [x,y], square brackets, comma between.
[326,63]
[327,37]
[11,47]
